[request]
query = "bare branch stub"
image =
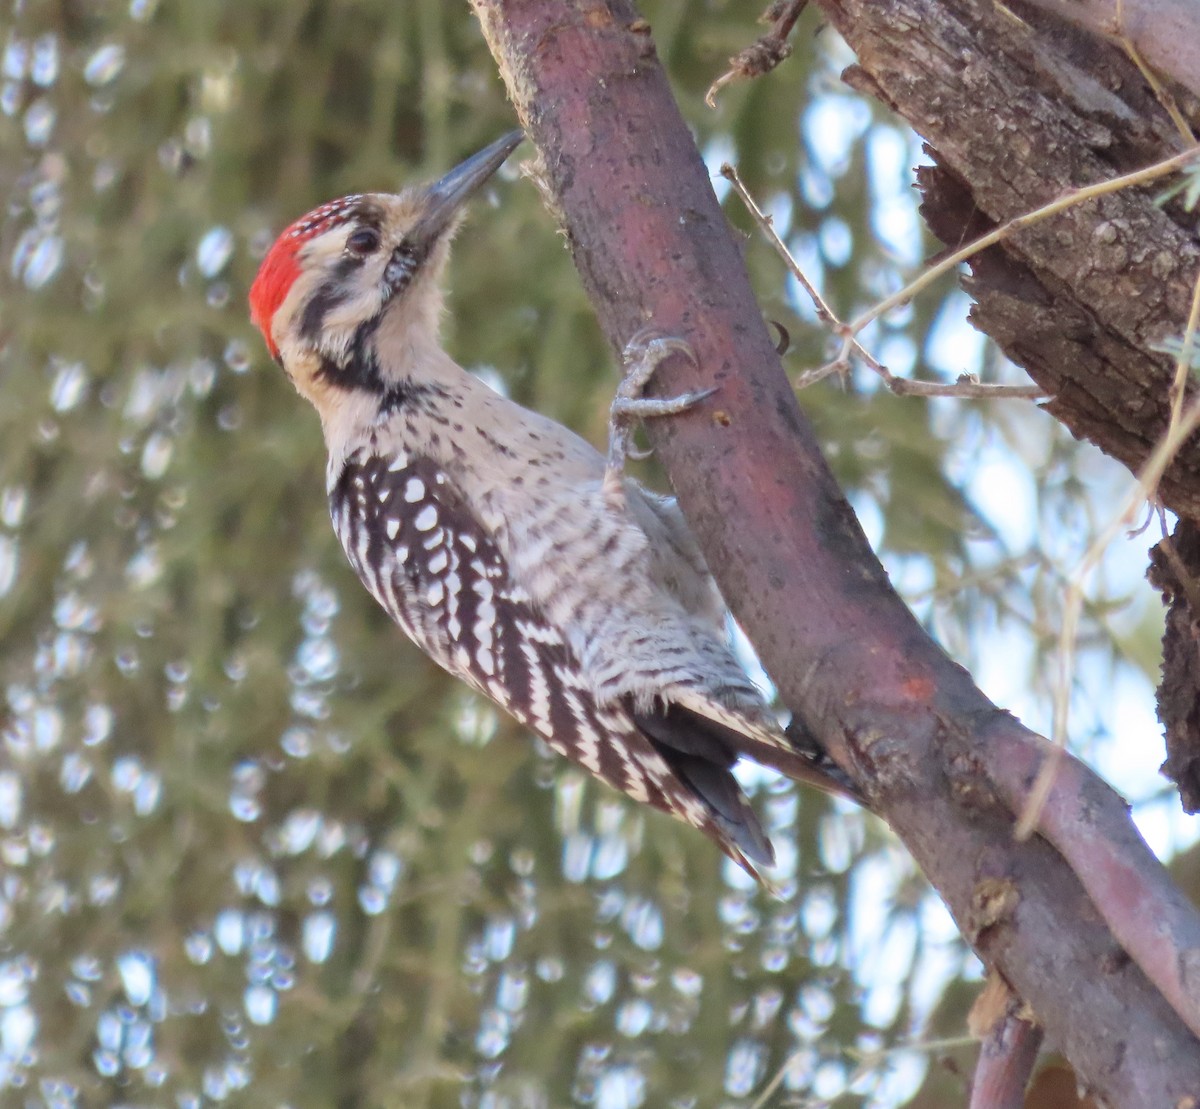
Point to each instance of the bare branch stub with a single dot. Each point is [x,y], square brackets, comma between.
[652,244]
[765,53]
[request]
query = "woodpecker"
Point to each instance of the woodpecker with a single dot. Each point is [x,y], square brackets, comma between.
[506,547]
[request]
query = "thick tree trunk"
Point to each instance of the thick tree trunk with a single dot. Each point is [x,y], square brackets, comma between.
[938,761]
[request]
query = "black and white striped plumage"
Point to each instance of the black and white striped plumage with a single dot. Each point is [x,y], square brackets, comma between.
[490,535]
[411,537]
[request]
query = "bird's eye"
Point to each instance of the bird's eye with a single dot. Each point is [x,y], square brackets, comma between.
[363,241]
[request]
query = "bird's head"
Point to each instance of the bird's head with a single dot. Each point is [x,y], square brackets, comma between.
[360,272]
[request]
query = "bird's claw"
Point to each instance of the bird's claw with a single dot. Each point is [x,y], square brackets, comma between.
[643,354]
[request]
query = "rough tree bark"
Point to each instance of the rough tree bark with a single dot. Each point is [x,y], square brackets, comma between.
[1175,569]
[1081,921]
[1081,302]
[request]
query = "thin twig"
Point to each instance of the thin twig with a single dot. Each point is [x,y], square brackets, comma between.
[868,1061]
[966,386]
[767,225]
[838,366]
[1068,199]
[1152,507]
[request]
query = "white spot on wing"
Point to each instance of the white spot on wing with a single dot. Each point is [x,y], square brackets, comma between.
[539,688]
[385,593]
[414,490]
[635,784]
[426,519]
[539,633]
[588,749]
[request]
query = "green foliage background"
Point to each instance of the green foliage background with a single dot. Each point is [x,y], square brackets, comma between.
[256,850]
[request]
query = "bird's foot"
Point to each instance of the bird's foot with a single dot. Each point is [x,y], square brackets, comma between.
[643,354]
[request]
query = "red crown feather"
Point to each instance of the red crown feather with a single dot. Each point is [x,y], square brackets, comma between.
[280,269]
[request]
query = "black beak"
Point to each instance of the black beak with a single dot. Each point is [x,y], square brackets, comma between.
[445,197]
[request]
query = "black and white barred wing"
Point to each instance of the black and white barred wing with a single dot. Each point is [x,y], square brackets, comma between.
[440,575]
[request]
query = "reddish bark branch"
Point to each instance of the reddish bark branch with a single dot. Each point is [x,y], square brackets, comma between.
[1006,1060]
[623,175]
[1086,821]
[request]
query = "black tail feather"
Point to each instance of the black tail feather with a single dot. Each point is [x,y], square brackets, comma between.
[700,752]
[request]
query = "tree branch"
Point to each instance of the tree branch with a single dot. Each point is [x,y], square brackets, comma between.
[1008,1050]
[623,175]
[1085,820]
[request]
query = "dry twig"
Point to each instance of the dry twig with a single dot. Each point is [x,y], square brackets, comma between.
[966,386]
[1160,90]
[766,53]
[868,1062]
